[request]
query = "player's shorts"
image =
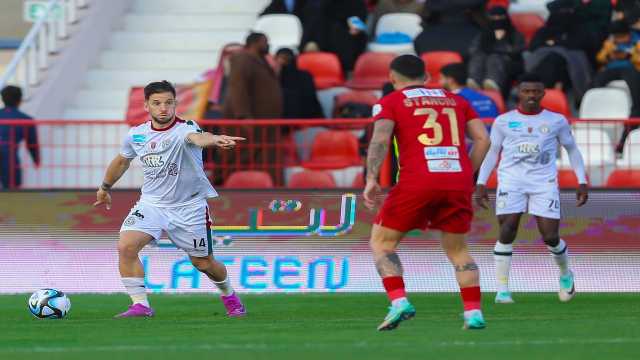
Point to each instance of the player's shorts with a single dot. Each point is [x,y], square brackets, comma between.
[544,202]
[407,209]
[188,227]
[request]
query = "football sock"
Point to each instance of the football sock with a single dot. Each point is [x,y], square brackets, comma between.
[502,258]
[136,290]
[394,285]
[560,254]
[471,297]
[224,286]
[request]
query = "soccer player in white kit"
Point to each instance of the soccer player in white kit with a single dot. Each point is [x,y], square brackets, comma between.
[527,180]
[174,197]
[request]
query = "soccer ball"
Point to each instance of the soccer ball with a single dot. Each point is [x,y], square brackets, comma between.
[49,304]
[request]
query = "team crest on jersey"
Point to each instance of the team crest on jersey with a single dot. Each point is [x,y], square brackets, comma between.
[153,145]
[165,143]
[544,129]
[530,129]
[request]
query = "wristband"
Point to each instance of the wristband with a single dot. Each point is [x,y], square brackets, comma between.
[105,186]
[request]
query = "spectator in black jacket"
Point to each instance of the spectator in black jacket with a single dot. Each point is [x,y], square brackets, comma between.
[292,7]
[298,90]
[496,53]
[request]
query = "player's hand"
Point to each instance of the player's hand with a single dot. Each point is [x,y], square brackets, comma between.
[582,195]
[482,196]
[227,142]
[371,191]
[103,197]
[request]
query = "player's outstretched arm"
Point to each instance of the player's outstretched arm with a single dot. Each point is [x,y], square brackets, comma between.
[577,163]
[115,170]
[377,152]
[206,139]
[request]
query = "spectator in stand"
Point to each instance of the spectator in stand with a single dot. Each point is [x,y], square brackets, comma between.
[496,53]
[336,26]
[298,90]
[620,60]
[624,7]
[561,50]
[453,77]
[594,15]
[12,136]
[292,7]
[393,6]
[450,25]
[253,92]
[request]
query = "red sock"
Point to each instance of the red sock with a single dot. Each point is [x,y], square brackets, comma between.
[394,285]
[471,297]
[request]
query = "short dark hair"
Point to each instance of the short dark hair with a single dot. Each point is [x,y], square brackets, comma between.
[285,51]
[253,38]
[456,71]
[409,66]
[530,78]
[620,27]
[158,87]
[11,96]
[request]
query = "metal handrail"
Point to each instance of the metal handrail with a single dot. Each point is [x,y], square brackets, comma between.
[41,42]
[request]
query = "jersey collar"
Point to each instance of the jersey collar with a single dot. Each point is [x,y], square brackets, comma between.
[175,121]
[521,111]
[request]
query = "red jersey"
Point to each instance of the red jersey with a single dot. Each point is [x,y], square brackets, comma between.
[430,132]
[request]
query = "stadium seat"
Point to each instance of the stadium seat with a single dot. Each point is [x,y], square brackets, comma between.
[605,103]
[249,180]
[333,149]
[324,67]
[594,144]
[408,24]
[567,179]
[620,178]
[311,179]
[371,71]
[631,151]
[353,96]
[497,99]
[282,30]
[527,24]
[435,60]
[556,101]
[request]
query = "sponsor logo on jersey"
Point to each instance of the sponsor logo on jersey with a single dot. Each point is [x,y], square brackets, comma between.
[515,125]
[528,148]
[138,138]
[420,92]
[377,108]
[441,152]
[165,144]
[444,166]
[544,129]
[503,193]
[152,160]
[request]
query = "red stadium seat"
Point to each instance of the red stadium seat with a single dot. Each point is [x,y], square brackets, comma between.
[354,96]
[371,71]
[567,179]
[627,178]
[334,149]
[324,67]
[249,180]
[556,101]
[497,98]
[311,179]
[435,60]
[527,24]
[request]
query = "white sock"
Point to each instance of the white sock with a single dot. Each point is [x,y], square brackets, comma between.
[502,258]
[398,301]
[224,286]
[560,255]
[136,290]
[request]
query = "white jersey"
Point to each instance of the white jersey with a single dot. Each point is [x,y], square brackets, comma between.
[173,168]
[529,145]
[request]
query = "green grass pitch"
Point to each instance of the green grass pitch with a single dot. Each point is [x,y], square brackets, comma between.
[325,326]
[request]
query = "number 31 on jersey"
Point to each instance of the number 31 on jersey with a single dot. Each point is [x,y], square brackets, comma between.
[431,123]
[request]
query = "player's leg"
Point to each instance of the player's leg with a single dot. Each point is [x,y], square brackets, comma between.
[549,229]
[384,242]
[502,253]
[468,278]
[139,229]
[217,273]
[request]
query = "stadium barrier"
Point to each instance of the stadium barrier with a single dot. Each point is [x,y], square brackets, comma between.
[301,241]
[74,154]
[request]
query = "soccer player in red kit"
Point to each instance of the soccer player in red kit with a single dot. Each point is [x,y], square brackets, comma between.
[435,184]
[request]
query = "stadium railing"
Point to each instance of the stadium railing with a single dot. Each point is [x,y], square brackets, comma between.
[74,154]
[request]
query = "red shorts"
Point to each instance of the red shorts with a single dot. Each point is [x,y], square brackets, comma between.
[407,209]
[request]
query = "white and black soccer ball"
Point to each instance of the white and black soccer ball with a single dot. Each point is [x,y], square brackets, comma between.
[49,304]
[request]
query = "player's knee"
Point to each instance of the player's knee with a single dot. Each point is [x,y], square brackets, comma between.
[202,264]
[127,250]
[382,245]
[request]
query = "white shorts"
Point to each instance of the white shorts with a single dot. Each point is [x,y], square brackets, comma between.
[543,203]
[188,227]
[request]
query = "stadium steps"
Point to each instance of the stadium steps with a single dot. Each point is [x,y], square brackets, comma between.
[139,60]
